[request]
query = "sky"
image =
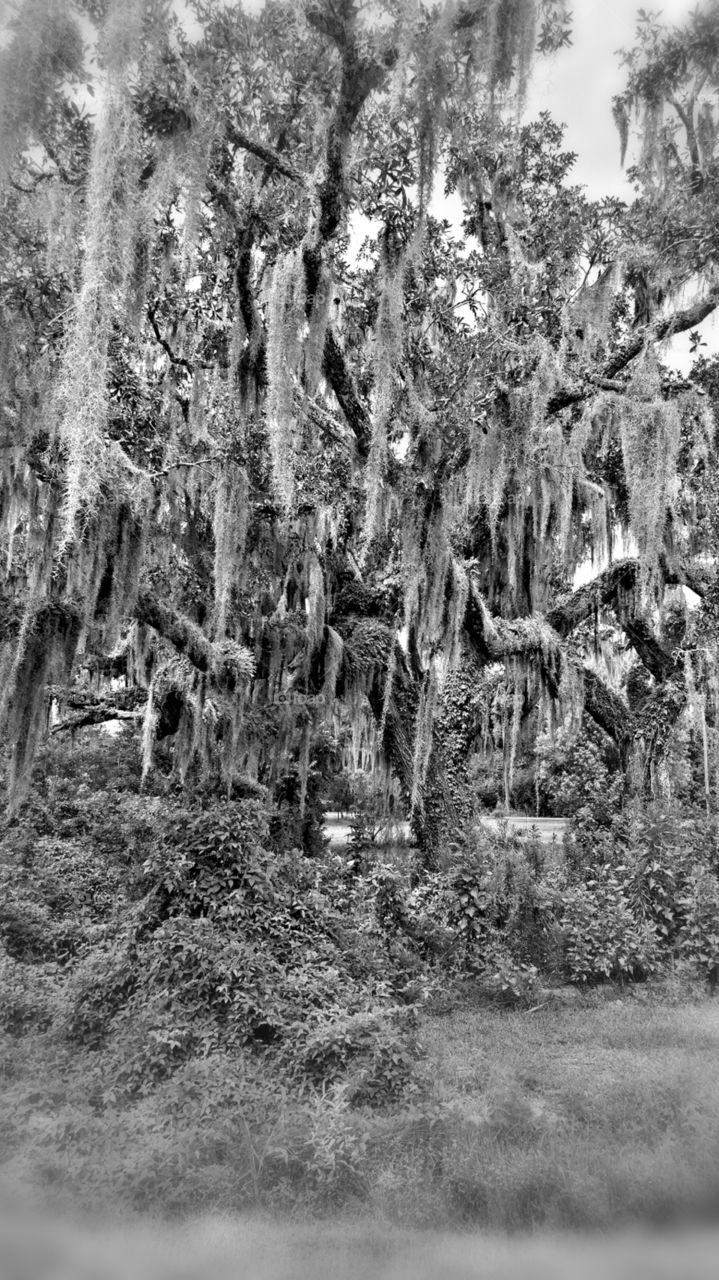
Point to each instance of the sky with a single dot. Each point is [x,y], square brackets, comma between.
[578,84]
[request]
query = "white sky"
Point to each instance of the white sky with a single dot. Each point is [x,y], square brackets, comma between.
[578,84]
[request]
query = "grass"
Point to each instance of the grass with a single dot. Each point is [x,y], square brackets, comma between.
[580,1118]
[563,1118]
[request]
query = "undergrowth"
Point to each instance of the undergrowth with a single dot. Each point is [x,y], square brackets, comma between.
[192,1019]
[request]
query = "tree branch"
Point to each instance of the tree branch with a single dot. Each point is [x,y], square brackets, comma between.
[607,709]
[178,360]
[226,665]
[677,323]
[657,332]
[650,652]
[183,634]
[360,76]
[267,155]
[95,716]
[336,371]
[607,588]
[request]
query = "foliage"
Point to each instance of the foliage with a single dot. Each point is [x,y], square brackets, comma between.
[700,933]
[284,484]
[374,1051]
[576,779]
[201,1019]
[602,938]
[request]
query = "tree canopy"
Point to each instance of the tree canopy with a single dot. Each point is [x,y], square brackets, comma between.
[281,446]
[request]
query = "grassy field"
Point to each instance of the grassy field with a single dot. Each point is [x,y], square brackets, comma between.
[579,1118]
[582,1117]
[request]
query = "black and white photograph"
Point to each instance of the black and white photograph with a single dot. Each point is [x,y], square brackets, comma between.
[359,640]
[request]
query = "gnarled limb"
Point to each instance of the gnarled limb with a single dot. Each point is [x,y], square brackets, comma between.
[618,580]
[274,161]
[679,322]
[609,711]
[360,76]
[615,588]
[183,634]
[658,662]
[336,371]
[94,716]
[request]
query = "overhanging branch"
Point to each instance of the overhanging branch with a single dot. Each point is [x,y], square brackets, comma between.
[95,716]
[183,634]
[267,155]
[679,322]
[608,710]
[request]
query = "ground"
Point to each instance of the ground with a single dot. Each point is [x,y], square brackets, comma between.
[601,1116]
[258,1249]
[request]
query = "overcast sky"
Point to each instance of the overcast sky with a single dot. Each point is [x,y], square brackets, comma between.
[578,84]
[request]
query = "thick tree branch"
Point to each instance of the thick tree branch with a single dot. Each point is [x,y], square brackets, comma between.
[95,716]
[227,667]
[615,588]
[679,322]
[336,371]
[658,662]
[618,580]
[609,711]
[183,634]
[494,640]
[360,76]
[267,155]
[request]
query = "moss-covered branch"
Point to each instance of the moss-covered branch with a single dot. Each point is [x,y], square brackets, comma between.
[678,322]
[94,716]
[609,711]
[336,371]
[615,588]
[271,158]
[183,634]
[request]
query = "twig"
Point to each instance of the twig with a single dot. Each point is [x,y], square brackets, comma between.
[188,462]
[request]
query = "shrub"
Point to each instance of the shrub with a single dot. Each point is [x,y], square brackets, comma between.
[699,939]
[375,1049]
[99,986]
[508,981]
[602,937]
[577,779]
[29,996]
[209,857]
[503,891]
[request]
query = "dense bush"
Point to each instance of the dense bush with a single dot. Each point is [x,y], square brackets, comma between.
[602,936]
[578,777]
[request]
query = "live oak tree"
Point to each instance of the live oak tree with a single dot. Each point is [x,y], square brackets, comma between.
[281,446]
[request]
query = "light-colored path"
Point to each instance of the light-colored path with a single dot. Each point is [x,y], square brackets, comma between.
[338,827]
